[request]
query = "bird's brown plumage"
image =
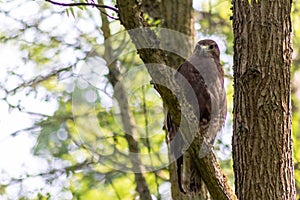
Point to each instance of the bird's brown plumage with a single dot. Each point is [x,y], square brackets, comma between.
[204,75]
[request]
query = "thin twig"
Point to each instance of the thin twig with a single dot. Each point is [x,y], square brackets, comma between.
[23,130]
[38,79]
[14,134]
[77,166]
[88,4]
[114,188]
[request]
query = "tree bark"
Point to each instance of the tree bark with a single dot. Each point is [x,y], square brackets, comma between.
[262,141]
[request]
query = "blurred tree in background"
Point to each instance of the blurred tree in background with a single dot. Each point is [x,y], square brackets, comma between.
[64,76]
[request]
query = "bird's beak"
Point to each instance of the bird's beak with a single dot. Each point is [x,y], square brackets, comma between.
[203,49]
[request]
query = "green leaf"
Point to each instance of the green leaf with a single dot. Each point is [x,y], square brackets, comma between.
[72,11]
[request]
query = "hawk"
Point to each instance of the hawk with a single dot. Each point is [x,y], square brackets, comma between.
[204,75]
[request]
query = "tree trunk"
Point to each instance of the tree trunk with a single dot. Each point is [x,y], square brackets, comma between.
[262,140]
[128,120]
[172,18]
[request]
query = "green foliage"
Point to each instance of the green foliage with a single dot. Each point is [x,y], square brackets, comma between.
[54,135]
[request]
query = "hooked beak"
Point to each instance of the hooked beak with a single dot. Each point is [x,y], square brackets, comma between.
[203,49]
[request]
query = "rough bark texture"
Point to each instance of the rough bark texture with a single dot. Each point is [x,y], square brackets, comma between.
[126,115]
[262,141]
[131,17]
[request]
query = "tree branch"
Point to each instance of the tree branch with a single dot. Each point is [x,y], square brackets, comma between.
[88,4]
[38,79]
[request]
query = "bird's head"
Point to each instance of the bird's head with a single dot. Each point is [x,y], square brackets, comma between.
[206,48]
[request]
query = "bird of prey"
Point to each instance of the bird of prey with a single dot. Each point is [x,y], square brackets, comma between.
[202,73]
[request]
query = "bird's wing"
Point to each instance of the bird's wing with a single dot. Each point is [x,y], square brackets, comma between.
[202,86]
[195,90]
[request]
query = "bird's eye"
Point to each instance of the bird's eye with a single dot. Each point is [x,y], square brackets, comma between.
[211,46]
